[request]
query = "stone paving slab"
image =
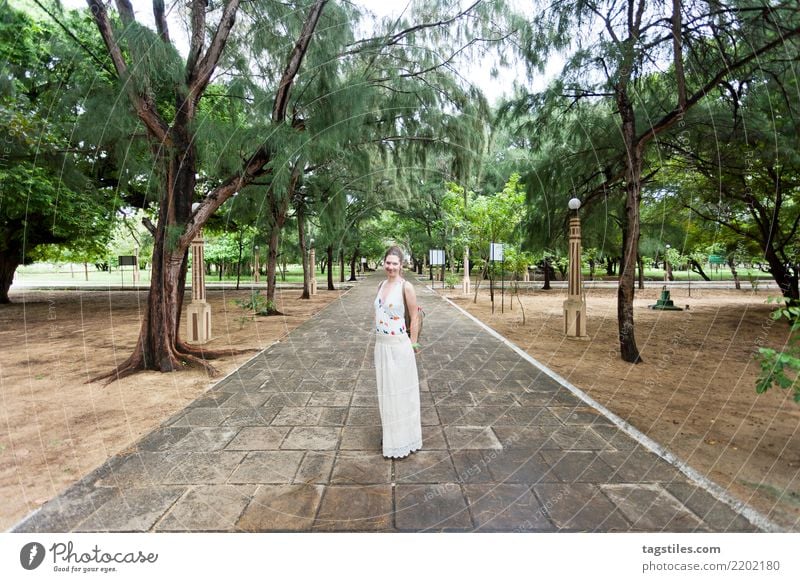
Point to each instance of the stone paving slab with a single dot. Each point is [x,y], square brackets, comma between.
[291,442]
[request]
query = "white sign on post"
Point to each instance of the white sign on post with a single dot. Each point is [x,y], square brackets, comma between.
[436,257]
[496,252]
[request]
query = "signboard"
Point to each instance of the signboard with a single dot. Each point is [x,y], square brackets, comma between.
[496,252]
[436,257]
[128,261]
[716,259]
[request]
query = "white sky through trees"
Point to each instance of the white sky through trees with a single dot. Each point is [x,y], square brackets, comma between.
[478,73]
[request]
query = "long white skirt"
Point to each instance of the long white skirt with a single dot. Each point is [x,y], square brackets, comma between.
[398,395]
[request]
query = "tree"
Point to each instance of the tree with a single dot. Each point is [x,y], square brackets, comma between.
[737,167]
[706,42]
[164,94]
[48,194]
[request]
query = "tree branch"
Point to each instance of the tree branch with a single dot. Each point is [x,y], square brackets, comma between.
[148,224]
[78,41]
[397,37]
[198,35]
[200,74]
[677,51]
[143,105]
[673,116]
[161,20]
[295,59]
[126,14]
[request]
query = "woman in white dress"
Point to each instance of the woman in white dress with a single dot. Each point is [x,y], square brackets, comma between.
[395,360]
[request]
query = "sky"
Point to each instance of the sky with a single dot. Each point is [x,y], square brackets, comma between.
[477,73]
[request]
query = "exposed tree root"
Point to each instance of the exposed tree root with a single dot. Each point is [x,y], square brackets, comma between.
[184,356]
[127,368]
[200,352]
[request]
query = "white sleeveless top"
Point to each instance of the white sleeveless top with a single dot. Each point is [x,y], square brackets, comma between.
[390,315]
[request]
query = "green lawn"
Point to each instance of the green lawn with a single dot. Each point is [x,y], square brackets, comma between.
[67,274]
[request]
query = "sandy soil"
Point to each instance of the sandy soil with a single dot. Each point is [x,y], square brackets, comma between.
[694,394]
[56,427]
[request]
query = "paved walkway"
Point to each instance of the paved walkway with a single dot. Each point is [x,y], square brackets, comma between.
[291,442]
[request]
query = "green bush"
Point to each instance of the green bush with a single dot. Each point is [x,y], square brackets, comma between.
[782,368]
[451,280]
[257,304]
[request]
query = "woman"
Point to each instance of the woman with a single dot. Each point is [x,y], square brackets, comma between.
[395,364]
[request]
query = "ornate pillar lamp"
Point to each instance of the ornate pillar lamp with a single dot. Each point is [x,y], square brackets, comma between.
[198,313]
[575,305]
[312,259]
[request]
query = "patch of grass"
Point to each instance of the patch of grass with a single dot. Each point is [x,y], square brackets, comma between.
[791,497]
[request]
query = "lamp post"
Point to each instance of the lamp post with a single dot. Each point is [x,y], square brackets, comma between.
[256,266]
[667,266]
[312,259]
[575,305]
[198,313]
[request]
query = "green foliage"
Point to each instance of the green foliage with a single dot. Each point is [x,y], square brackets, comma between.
[496,218]
[48,192]
[782,368]
[451,280]
[517,262]
[256,304]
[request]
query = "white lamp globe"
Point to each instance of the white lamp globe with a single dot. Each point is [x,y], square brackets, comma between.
[574,204]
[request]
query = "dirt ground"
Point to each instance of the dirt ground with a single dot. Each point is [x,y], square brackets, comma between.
[56,427]
[694,393]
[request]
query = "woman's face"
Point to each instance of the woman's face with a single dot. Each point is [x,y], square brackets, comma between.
[391,264]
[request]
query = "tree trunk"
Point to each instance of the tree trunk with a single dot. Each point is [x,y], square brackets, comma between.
[9,261]
[698,269]
[159,346]
[301,237]
[478,282]
[784,276]
[330,268]
[341,265]
[280,210]
[630,232]
[735,274]
[640,264]
[609,266]
[546,263]
[353,259]
[322,265]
